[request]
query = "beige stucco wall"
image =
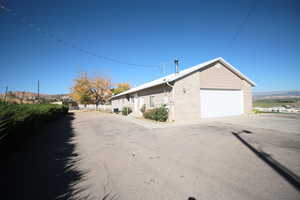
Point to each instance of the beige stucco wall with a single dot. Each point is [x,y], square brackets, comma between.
[187,98]
[161,96]
[160,93]
[247,92]
[120,102]
[217,76]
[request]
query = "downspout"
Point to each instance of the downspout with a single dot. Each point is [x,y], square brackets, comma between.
[172,101]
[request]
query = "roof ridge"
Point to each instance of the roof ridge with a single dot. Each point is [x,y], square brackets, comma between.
[185,72]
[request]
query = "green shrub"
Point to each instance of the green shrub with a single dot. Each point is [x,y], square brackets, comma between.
[29,114]
[18,121]
[126,110]
[157,114]
[255,111]
[143,108]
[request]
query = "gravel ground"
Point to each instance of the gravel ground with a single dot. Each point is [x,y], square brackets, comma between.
[109,155]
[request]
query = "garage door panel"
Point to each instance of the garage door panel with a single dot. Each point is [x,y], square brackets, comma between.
[220,103]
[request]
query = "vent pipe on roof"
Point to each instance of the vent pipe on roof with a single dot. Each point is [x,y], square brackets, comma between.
[176,66]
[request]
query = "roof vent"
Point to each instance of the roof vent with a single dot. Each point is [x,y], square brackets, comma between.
[176,66]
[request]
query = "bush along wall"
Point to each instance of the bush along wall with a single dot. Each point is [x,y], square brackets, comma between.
[19,121]
[157,114]
[143,108]
[126,110]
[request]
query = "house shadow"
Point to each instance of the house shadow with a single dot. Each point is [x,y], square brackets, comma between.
[283,171]
[45,167]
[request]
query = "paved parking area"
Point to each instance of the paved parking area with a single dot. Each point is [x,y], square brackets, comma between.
[277,121]
[278,135]
[106,155]
[179,161]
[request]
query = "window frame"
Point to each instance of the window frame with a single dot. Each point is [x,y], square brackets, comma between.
[151,101]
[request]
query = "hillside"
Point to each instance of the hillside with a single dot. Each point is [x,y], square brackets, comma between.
[268,103]
[276,98]
[33,94]
[31,97]
[277,94]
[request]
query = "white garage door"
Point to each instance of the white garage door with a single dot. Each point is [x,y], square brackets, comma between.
[220,103]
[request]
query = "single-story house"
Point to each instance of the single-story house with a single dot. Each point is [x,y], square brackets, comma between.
[212,89]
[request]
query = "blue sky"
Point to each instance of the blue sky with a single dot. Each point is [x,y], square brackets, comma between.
[265,45]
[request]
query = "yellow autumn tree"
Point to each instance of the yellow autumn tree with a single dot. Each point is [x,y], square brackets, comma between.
[121,87]
[101,90]
[86,90]
[80,90]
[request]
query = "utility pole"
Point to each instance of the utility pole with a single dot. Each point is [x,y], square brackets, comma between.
[38,97]
[6,90]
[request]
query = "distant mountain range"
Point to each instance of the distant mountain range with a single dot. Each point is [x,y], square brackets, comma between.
[256,95]
[24,94]
[30,94]
[277,94]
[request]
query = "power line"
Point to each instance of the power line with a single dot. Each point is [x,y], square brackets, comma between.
[66,43]
[240,28]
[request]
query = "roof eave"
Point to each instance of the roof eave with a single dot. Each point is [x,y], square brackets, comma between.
[197,67]
[130,92]
[237,71]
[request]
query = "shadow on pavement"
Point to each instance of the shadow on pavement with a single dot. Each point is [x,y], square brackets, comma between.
[287,174]
[46,166]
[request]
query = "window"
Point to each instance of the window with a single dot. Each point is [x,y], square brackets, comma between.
[166,100]
[151,101]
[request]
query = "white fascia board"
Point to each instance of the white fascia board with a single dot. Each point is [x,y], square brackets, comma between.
[175,76]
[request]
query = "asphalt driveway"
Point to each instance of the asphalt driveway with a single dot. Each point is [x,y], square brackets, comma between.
[115,157]
[288,123]
[204,161]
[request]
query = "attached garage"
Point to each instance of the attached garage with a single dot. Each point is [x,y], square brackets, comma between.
[221,103]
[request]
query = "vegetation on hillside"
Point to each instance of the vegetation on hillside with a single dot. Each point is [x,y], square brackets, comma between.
[24,97]
[268,103]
